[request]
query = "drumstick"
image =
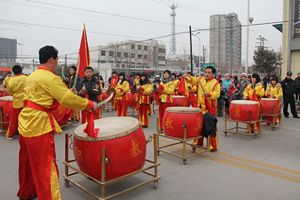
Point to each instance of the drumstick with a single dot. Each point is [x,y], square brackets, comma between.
[107,99]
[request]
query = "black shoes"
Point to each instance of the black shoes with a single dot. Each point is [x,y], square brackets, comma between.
[297,117]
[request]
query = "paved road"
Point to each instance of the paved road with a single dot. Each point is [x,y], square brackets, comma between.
[244,168]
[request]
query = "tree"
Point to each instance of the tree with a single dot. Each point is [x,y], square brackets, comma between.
[266,61]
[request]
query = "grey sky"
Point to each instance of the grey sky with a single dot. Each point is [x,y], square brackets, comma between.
[195,14]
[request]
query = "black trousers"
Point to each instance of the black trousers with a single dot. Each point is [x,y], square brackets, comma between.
[286,101]
[298,94]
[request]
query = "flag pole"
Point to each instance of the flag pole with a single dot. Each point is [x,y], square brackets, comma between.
[77,71]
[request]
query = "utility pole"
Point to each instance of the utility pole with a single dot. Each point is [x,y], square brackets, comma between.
[247,43]
[191,49]
[261,42]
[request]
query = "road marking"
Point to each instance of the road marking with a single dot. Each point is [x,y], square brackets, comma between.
[259,163]
[255,169]
[247,164]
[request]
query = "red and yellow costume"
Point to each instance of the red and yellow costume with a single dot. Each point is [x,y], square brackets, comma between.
[165,90]
[254,93]
[113,84]
[208,102]
[38,173]
[144,103]
[274,92]
[15,87]
[121,98]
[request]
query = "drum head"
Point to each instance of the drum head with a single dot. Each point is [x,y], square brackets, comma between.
[269,99]
[109,128]
[244,102]
[6,98]
[178,97]
[183,110]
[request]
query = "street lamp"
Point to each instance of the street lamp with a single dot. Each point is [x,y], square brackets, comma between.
[249,21]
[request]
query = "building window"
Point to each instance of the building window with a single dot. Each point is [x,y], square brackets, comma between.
[145,57]
[161,50]
[125,55]
[161,58]
[140,56]
[132,55]
[139,47]
[103,61]
[132,46]
[145,48]
[111,53]
[103,53]
[118,54]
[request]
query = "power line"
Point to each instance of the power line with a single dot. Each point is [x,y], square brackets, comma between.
[132,42]
[93,12]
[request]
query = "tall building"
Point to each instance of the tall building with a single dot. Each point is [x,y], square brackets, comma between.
[225,42]
[8,51]
[290,37]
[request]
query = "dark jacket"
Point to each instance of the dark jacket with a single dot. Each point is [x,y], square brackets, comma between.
[78,83]
[288,87]
[297,83]
[90,86]
[209,125]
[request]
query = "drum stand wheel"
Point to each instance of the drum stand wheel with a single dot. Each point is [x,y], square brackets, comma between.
[67,183]
[155,184]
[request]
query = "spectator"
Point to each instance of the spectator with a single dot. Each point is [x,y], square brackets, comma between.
[289,89]
[297,83]
[220,102]
[227,81]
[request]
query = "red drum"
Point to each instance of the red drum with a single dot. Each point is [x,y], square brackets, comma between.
[193,100]
[125,145]
[270,106]
[7,105]
[175,117]
[179,100]
[131,99]
[244,110]
[62,114]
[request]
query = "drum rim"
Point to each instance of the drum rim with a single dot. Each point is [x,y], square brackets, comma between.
[178,96]
[6,98]
[239,102]
[106,138]
[191,109]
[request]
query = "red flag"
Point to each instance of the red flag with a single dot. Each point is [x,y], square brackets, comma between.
[90,127]
[84,54]
[181,88]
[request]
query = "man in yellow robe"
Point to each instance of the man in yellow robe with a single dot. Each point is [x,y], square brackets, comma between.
[38,173]
[15,87]
[208,93]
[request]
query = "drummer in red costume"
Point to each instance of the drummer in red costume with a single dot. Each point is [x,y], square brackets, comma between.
[166,88]
[254,92]
[208,93]
[274,91]
[38,173]
[15,87]
[122,89]
[144,101]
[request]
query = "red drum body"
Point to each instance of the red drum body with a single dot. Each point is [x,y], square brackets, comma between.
[193,100]
[176,117]
[179,101]
[125,145]
[244,110]
[7,106]
[270,106]
[62,114]
[131,99]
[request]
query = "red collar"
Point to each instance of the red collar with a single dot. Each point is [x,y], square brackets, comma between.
[44,68]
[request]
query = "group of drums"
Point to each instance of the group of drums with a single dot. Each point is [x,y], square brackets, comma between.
[247,111]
